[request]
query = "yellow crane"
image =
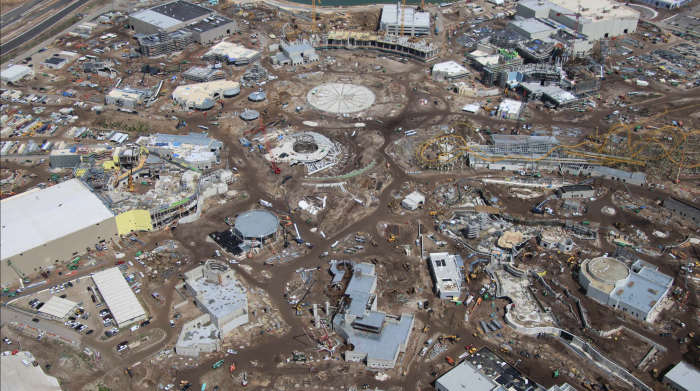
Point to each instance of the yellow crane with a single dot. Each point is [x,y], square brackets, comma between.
[403,14]
[313,16]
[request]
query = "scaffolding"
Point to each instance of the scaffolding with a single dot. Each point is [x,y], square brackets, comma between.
[255,75]
[203,74]
[164,42]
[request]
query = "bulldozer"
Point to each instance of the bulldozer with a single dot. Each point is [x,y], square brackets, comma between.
[392,238]
[618,225]
[433,213]
[407,267]
[506,351]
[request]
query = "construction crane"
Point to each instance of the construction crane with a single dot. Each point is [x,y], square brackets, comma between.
[313,16]
[403,14]
[22,276]
[130,183]
[578,17]
[297,306]
[453,338]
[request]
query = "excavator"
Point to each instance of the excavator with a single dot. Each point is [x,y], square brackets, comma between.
[407,267]
[233,367]
[392,238]
[297,306]
[475,272]
[433,213]
[452,338]
[425,329]
[450,360]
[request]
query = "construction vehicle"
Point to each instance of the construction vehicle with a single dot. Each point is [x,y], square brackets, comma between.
[475,272]
[74,264]
[477,335]
[433,213]
[218,364]
[297,306]
[24,278]
[618,225]
[374,243]
[539,209]
[555,374]
[232,368]
[655,373]
[407,267]
[392,238]
[127,370]
[133,239]
[425,329]
[506,351]
[450,360]
[452,338]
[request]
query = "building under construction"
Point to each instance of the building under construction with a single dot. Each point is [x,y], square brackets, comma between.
[404,46]
[164,42]
[494,63]
[531,73]
[203,74]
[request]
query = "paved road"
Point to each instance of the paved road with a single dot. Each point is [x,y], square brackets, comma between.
[10,315]
[647,12]
[15,14]
[40,28]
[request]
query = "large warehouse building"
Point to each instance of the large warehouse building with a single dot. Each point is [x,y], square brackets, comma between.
[415,23]
[43,227]
[169,17]
[15,73]
[203,96]
[120,299]
[638,291]
[599,19]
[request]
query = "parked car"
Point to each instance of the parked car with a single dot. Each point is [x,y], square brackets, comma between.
[172,324]
[36,320]
[63,296]
[90,332]
[665,334]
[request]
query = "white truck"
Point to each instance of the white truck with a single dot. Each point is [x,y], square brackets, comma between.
[265,203]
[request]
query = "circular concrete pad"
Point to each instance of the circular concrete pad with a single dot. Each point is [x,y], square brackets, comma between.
[340,98]
[608,270]
[257,223]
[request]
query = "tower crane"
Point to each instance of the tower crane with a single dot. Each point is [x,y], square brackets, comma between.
[22,276]
[578,17]
[403,15]
[313,16]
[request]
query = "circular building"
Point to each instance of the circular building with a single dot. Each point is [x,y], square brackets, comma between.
[340,98]
[305,147]
[231,92]
[601,276]
[257,225]
[204,103]
[257,96]
[250,115]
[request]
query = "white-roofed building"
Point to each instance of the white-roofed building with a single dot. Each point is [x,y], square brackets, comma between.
[472,108]
[413,201]
[415,23]
[58,309]
[509,109]
[445,270]
[231,53]
[122,98]
[682,377]
[203,96]
[15,73]
[449,70]
[120,299]
[43,227]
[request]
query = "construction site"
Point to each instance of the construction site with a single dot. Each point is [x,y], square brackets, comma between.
[331,196]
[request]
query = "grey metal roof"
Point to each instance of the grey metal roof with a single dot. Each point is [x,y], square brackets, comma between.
[374,320]
[257,223]
[192,138]
[358,303]
[182,10]
[382,346]
[362,284]
[210,23]
[639,292]
[656,276]
[297,49]
[566,189]
[684,376]
[364,268]
[465,377]
[532,26]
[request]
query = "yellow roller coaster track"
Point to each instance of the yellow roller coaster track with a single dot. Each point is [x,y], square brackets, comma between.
[678,136]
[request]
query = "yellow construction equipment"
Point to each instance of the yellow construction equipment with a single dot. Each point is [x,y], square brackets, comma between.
[425,329]
[452,338]
[475,272]
[506,351]
[403,14]
[433,213]
[450,179]
[392,238]
[130,184]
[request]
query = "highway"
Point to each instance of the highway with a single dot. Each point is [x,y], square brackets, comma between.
[41,27]
[16,14]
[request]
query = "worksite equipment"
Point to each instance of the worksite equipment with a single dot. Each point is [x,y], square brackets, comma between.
[450,360]
[433,213]
[556,374]
[74,264]
[618,225]
[452,338]
[133,239]
[127,370]
[407,267]
[232,368]
[539,209]
[392,238]
[19,273]
[297,307]
[217,364]
[425,329]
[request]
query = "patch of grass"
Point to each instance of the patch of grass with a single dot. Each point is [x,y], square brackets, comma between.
[102,387]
